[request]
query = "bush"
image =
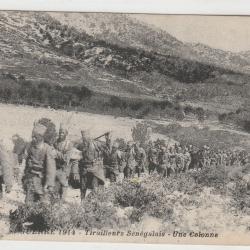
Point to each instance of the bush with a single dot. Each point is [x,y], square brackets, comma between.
[168,200]
[214,176]
[37,216]
[92,213]
[141,133]
[241,197]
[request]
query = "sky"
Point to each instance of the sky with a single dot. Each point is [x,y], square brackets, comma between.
[231,33]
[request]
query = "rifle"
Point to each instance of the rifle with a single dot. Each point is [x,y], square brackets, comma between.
[100,136]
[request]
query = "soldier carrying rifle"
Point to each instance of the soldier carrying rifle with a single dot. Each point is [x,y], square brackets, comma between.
[91,167]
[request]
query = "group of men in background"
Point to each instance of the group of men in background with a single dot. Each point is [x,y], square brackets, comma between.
[49,169]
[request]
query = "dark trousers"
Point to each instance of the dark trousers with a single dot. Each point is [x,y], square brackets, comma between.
[32,196]
[88,180]
[162,171]
[151,167]
[128,172]
[139,169]
[110,174]
[34,190]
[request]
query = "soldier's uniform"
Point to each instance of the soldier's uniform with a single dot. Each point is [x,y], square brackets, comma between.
[233,159]
[202,156]
[152,159]
[91,167]
[213,159]
[130,162]
[162,162]
[6,171]
[64,166]
[228,158]
[113,163]
[179,159]
[187,160]
[140,158]
[40,170]
[243,159]
[223,158]
[220,158]
[171,167]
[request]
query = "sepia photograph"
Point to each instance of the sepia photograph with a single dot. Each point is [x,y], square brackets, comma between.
[119,127]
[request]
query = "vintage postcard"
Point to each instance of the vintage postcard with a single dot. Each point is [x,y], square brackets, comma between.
[125,128]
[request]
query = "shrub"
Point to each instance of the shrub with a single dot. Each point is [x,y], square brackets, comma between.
[92,213]
[38,216]
[141,133]
[240,197]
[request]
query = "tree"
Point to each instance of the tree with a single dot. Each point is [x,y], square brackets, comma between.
[141,133]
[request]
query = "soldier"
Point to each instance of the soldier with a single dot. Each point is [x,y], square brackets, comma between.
[171,152]
[18,151]
[220,158]
[113,162]
[40,168]
[202,158]
[162,162]
[228,158]
[195,159]
[129,161]
[243,158]
[140,158]
[179,159]
[223,158]
[6,171]
[187,159]
[91,167]
[171,166]
[64,165]
[213,158]
[233,158]
[152,158]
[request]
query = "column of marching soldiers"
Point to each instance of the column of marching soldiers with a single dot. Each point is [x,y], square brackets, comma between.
[48,170]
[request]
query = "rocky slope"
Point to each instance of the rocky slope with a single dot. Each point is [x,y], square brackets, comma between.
[127,31]
[118,55]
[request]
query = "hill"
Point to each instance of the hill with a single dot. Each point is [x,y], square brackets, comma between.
[111,55]
[126,30]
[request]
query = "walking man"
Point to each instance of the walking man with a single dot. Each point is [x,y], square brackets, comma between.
[40,168]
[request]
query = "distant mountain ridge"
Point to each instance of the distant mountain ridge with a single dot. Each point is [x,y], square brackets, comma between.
[126,31]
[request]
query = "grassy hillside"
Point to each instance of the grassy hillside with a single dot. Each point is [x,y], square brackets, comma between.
[39,50]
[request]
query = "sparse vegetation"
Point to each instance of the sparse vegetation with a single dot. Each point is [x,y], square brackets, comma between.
[166,199]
